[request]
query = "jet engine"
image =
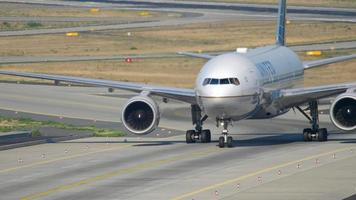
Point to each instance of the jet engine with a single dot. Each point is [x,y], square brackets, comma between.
[343,111]
[140,115]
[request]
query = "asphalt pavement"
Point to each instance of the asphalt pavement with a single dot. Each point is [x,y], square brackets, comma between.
[269,159]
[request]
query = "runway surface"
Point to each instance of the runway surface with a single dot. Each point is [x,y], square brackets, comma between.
[268,160]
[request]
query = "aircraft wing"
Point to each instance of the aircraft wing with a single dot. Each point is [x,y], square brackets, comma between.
[185,95]
[196,55]
[318,63]
[287,98]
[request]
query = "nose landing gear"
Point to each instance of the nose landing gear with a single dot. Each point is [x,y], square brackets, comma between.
[225,139]
[204,136]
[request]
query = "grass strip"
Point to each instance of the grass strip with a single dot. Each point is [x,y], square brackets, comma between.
[8,124]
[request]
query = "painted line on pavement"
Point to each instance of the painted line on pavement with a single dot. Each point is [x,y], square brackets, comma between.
[61,158]
[132,169]
[230,181]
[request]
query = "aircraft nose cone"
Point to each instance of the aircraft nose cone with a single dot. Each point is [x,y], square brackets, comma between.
[235,107]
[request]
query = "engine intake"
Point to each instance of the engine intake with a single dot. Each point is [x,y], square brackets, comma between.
[140,115]
[343,111]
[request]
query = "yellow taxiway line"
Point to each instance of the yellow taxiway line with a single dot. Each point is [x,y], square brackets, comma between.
[253,174]
[135,168]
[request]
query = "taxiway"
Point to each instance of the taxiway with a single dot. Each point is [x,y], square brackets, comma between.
[269,159]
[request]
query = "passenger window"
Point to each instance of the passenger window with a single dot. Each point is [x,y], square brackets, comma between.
[234,81]
[214,81]
[206,81]
[224,81]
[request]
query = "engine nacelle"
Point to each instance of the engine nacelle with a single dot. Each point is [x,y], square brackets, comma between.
[140,115]
[343,111]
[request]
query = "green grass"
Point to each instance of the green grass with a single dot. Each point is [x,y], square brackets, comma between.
[33,24]
[6,129]
[9,26]
[36,133]
[14,26]
[13,124]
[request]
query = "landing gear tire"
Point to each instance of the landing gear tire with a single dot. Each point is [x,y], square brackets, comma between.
[307,134]
[322,135]
[221,142]
[189,136]
[205,136]
[314,133]
[229,142]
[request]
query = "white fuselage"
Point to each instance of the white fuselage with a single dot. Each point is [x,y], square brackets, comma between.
[258,71]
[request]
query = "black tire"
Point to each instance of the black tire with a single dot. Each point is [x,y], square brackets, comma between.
[204,136]
[189,136]
[307,134]
[207,136]
[230,142]
[221,142]
[322,135]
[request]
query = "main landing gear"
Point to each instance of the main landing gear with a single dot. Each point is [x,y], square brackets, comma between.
[193,136]
[225,139]
[314,133]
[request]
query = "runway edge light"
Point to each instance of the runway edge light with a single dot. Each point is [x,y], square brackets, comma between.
[72,34]
[313,53]
[128,60]
[144,14]
[94,10]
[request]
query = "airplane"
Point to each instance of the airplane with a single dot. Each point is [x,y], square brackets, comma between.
[260,83]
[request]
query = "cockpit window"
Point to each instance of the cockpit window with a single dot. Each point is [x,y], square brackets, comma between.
[214,81]
[206,81]
[223,81]
[234,81]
